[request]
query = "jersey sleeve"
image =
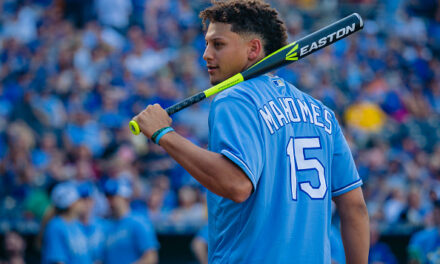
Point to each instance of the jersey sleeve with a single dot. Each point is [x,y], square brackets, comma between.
[55,247]
[235,132]
[345,176]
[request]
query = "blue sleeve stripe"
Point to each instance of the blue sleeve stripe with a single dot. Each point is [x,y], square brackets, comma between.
[347,188]
[242,165]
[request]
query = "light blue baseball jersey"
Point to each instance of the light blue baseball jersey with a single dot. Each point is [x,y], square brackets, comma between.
[128,239]
[337,247]
[65,242]
[293,151]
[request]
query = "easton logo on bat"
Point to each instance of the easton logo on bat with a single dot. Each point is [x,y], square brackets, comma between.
[328,39]
[292,55]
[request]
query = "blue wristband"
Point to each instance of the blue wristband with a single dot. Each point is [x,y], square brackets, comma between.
[153,137]
[162,133]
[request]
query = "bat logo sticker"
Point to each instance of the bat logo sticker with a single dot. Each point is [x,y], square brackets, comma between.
[292,55]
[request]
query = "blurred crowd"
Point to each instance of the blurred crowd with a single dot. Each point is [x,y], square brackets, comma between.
[74,72]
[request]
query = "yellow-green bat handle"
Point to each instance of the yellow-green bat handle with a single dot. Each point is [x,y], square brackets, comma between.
[134,127]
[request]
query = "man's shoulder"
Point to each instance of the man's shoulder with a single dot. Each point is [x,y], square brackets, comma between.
[307,97]
[243,91]
[259,90]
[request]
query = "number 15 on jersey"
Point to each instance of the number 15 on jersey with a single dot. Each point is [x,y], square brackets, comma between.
[295,151]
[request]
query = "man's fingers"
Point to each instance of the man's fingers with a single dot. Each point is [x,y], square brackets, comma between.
[136,118]
[152,118]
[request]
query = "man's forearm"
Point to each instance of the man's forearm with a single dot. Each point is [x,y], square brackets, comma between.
[355,229]
[356,238]
[212,170]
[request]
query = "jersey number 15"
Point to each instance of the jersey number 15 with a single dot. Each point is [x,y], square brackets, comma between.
[295,150]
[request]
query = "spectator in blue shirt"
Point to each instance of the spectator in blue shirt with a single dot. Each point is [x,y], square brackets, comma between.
[424,246]
[379,251]
[93,227]
[130,237]
[63,239]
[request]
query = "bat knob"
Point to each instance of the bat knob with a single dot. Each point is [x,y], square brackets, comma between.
[134,127]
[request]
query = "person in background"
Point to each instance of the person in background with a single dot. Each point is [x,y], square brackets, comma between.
[130,237]
[379,251]
[190,210]
[424,246]
[14,247]
[199,245]
[63,240]
[414,213]
[92,226]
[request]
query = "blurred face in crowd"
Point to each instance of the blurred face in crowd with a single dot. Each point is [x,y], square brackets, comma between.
[14,244]
[88,204]
[163,182]
[436,216]
[155,200]
[118,205]
[78,208]
[414,200]
[187,197]
[227,53]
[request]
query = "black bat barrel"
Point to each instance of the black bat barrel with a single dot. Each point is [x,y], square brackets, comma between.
[307,45]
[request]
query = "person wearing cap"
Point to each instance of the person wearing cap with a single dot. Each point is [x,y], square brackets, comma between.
[130,236]
[63,240]
[92,226]
[424,246]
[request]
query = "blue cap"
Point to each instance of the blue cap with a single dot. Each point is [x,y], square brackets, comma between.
[85,189]
[64,195]
[118,187]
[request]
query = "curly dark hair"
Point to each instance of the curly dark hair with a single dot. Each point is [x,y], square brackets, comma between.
[249,16]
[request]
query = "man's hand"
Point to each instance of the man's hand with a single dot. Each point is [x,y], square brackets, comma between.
[153,118]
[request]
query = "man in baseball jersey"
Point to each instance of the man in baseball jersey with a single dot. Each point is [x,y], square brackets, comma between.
[276,159]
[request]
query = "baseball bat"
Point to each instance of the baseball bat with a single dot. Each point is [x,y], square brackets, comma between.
[285,55]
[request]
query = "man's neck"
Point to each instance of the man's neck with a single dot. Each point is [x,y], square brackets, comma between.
[252,62]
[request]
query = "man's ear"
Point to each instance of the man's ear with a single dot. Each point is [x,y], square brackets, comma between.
[255,51]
